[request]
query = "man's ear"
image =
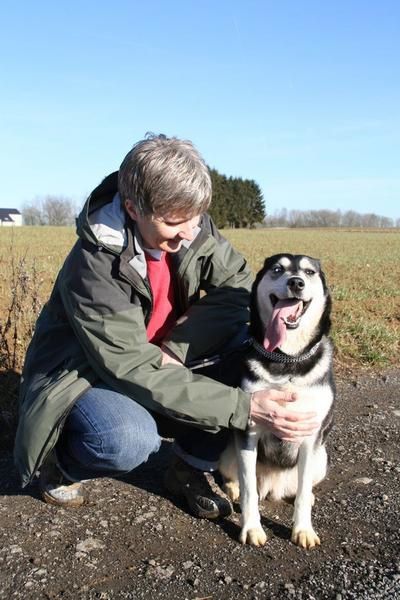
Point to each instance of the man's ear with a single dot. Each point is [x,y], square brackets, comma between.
[130,209]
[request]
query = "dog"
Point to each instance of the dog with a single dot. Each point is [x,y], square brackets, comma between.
[289,350]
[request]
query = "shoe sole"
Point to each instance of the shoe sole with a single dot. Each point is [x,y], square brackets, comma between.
[175,489]
[73,503]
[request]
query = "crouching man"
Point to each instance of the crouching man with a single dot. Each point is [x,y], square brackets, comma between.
[149,290]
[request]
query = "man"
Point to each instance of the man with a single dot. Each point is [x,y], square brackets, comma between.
[149,289]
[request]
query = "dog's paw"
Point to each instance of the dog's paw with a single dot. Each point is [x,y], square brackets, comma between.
[231,488]
[255,536]
[305,538]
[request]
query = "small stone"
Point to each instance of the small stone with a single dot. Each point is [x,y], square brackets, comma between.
[363,480]
[54,533]
[89,545]
[164,572]
[289,586]
[41,572]
[260,585]
[187,564]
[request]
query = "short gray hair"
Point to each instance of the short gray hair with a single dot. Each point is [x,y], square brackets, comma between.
[162,176]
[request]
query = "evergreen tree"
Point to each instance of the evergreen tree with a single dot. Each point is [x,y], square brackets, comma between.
[236,202]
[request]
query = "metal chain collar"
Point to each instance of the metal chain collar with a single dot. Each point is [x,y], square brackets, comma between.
[280,357]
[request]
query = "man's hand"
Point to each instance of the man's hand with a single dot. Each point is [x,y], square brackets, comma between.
[267,409]
[169,358]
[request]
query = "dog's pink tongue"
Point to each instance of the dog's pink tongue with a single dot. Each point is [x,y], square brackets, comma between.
[275,333]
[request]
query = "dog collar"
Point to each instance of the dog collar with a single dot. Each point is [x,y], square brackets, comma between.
[281,357]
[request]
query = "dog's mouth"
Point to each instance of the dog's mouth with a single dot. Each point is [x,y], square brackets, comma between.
[290,310]
[287,314]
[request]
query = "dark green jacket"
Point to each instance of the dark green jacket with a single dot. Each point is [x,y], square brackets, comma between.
[94,328]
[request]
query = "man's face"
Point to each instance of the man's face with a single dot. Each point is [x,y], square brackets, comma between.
[163,233]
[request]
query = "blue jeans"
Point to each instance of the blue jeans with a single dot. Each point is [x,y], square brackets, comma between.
[109,434]
[106,433]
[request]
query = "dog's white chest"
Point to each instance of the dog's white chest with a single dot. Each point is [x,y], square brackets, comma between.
[314,398]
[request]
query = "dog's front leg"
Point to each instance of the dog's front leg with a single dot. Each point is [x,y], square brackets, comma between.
[246,449]
[303,533]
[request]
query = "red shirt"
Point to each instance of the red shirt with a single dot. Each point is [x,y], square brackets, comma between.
[163,316]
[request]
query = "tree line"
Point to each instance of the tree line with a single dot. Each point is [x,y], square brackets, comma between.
[50,210]
[328,218]
[236,202]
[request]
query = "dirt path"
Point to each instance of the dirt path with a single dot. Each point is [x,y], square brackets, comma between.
[133,542]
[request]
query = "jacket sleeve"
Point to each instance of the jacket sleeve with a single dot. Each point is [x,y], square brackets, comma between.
[223,311]
[111,331]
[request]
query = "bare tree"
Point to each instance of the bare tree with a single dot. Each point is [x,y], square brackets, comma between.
[32,214]
[50,210]
[57,210]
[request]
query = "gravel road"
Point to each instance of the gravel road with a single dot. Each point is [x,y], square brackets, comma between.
[133,542]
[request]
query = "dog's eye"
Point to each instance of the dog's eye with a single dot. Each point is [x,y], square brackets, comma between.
[277,269]
[309,272]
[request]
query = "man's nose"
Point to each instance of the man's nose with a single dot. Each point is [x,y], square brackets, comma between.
[187,231]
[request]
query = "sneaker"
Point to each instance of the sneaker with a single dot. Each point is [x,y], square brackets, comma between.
[202,494]
[56,489]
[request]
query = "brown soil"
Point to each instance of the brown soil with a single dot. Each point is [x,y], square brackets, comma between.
[133,541]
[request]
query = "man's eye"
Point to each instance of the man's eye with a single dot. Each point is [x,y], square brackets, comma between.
[173,223]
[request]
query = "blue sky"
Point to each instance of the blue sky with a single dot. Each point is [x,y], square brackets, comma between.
[302,96]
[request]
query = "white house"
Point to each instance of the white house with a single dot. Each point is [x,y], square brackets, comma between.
[9,217]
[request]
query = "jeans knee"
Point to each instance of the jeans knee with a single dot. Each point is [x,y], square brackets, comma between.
[107,434]
[128,447]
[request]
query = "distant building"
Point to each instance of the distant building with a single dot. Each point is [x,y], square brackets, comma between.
[9,217]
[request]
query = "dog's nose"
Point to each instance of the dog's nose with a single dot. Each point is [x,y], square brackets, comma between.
[296,284]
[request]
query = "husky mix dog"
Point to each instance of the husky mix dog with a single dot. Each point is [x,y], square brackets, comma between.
[289,350]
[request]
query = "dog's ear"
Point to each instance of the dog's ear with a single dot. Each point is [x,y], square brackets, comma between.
[326,317]
[323,278]
[256,328]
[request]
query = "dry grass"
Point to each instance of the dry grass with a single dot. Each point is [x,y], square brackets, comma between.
[46,247]
[363,270]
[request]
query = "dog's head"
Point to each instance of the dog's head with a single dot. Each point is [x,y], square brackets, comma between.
[290,303]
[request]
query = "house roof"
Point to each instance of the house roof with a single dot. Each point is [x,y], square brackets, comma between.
[6,212]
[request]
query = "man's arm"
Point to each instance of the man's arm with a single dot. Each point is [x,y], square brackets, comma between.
[112,333]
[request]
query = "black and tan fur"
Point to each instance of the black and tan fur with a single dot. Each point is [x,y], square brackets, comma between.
[262,465]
